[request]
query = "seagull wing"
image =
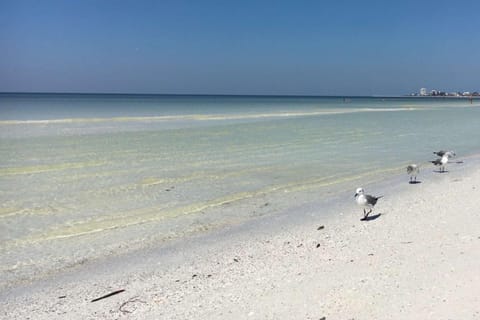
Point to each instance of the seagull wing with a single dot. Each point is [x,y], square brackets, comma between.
[372,200]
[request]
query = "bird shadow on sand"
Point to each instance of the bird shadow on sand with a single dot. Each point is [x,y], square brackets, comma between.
[415,182]
[370,218]
[438,171]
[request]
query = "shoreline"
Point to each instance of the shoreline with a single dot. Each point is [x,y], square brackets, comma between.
[269,208]
[271,267]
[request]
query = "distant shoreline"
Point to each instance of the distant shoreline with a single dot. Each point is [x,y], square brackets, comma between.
[230,95]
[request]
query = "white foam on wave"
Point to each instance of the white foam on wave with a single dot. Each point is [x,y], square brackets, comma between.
[200,117]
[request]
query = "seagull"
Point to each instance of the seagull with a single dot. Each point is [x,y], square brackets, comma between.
[412,171]
[441,153]
[365,201]
[442,162]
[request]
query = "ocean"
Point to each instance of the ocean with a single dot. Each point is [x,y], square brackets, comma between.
[84,176]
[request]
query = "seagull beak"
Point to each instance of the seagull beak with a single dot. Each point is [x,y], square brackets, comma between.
[356,194]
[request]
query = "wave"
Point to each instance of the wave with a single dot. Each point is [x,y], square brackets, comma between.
[49,167]
[203,117]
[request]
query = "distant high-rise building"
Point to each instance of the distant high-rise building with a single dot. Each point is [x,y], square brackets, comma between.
[423,91]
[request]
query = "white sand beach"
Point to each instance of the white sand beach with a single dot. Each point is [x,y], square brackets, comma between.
[420,259]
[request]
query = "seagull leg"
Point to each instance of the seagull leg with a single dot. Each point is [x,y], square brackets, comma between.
[366,215]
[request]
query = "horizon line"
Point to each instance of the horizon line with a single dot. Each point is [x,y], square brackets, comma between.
[198,94]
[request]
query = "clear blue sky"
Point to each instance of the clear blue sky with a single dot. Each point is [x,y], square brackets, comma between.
[239,47]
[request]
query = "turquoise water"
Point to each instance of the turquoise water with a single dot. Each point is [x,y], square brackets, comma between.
[82,176]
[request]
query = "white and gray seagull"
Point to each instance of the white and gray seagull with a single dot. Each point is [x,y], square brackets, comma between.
[412,171]
[442,162]
[366,201]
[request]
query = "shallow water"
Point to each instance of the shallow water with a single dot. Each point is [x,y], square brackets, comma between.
[83,176]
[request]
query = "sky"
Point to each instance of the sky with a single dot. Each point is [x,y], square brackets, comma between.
[259,47]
